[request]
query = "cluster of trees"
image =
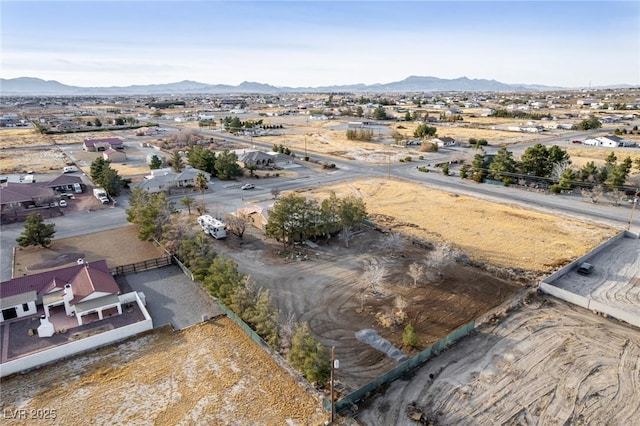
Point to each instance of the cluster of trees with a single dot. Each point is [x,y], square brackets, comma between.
[235,125]
[297,218]
[476,143]
[589,124]
[104,176]
[424,131]
[224,165]
[552,165]
[380,101]
[153,214]
[503,113]
[380,113]
[281,149]
[359,134]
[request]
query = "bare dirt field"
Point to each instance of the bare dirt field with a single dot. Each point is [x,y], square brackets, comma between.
[329,137]
[25,137]
[43,160]
[211,373]
[548,363]
[99,245]
[580,156]
[498,234]
[328,292]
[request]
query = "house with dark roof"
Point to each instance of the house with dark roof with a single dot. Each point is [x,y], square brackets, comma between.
[63,183]
[83,289]
[93,145]
[17,196]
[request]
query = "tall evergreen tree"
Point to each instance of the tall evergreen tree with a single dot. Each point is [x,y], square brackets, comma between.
[36,232]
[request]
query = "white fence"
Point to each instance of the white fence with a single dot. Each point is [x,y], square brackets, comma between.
[63,351]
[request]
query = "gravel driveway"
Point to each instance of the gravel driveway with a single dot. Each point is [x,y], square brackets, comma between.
[171,296]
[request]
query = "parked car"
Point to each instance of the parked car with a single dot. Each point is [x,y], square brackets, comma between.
[62,203]
[104,200]
[247,186]
[585,269]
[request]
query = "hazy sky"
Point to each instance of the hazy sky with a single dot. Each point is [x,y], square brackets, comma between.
[315,43]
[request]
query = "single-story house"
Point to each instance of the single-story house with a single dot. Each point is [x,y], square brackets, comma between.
[93,145]
[114,156]
[163,180]
[63,183]
[280,159]
[83,289]
[255,158]
[24,195]
[256,215]
[609,141]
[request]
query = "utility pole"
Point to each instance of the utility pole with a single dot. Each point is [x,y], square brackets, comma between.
[635,201]
[305,147]
[333,407]
[389,166]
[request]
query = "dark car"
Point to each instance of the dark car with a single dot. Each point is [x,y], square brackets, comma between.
[585,269]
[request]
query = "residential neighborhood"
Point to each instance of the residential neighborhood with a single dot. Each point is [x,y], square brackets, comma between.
[320,213]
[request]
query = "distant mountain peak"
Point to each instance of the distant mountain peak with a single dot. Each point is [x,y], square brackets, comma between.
[33,86]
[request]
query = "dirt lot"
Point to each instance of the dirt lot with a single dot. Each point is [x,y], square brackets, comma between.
[549,363]
[498,234]
[211,373]
[328,291]
[100,245]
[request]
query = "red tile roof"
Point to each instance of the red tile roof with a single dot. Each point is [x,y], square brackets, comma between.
[85,279]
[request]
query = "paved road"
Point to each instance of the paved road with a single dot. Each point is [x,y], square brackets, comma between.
[227,196]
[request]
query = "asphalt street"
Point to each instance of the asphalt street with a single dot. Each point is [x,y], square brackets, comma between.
[227,196]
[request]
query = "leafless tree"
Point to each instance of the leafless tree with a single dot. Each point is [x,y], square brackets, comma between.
[236,224]
[275,192]
[346,235]
[558,170]
[362,297]
[439,258]
[400,315]
[374,275]
[287,329]
[616,196]
[594,194]
[416,271]
[393,242]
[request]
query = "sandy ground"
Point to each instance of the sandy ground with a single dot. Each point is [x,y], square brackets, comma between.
[549,364]
[581,156]
[498,234]
[211,373]
[43,160]
[328,292]
[30,260]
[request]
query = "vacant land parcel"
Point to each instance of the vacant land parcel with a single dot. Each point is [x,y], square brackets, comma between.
[211,373]
[547,363]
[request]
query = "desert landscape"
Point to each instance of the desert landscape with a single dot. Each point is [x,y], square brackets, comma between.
[197,375]
[547,362]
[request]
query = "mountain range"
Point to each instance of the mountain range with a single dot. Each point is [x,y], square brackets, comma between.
[29,86]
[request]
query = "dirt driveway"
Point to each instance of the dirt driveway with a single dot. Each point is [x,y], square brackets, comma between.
[327,291]
[118,246]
